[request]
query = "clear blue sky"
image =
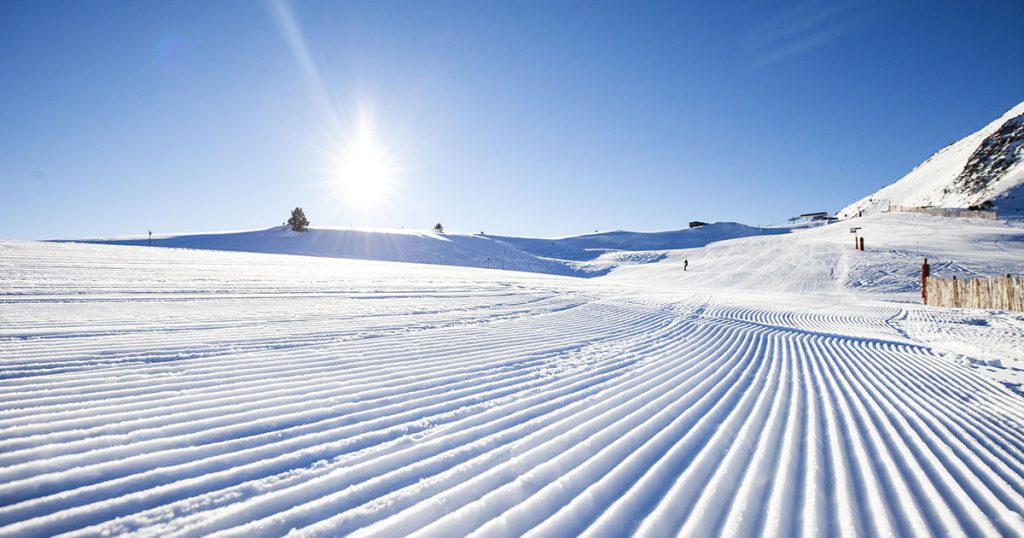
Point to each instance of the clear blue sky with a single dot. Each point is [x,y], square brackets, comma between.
[529,118]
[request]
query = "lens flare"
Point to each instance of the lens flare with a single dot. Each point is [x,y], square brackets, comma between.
[363,167]
[366,174]
[366,169]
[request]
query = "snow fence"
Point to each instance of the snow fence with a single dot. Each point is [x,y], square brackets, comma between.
[998,292]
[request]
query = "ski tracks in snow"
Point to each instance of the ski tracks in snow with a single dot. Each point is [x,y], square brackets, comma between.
[500,407]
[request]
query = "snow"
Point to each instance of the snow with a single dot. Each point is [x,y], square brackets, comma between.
[784,384]
[931,182]
[572,256]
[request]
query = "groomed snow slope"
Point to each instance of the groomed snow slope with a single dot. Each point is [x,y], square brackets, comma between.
[820,264]
[190,393]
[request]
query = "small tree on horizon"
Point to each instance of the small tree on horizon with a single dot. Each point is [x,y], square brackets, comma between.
[438,228]
[298,220]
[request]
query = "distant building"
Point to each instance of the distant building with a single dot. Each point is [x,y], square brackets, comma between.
[820,215]
[697,224]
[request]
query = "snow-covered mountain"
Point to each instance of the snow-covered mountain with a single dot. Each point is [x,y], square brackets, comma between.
[986,166]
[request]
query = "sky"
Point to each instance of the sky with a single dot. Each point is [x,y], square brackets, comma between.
[535,118]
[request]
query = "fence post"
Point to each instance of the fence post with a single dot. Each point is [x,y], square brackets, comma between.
[926,271]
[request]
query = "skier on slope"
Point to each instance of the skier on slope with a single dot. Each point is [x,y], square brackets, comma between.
[686,263]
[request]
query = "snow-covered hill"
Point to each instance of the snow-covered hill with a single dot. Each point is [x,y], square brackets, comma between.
[986,166]
[570,256]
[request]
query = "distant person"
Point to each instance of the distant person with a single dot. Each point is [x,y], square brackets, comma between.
[686,263]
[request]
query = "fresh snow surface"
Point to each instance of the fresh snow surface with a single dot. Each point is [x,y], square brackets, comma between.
[783,385]
[571,256]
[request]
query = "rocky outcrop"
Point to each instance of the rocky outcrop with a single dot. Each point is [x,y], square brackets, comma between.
[993,158]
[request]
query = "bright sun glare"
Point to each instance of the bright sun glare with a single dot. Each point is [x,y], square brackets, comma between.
[367,172]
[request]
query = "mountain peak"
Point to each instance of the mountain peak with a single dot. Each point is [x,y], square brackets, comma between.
[987,165]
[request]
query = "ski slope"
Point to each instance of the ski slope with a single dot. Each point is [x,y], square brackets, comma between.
[783,385]
[569,256]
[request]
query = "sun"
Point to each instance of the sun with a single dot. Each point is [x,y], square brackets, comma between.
[366,171]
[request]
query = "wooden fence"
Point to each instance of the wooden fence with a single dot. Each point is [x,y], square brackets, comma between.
[947,212]
[998,292]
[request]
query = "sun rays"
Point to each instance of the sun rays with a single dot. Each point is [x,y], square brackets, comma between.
[366,170]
